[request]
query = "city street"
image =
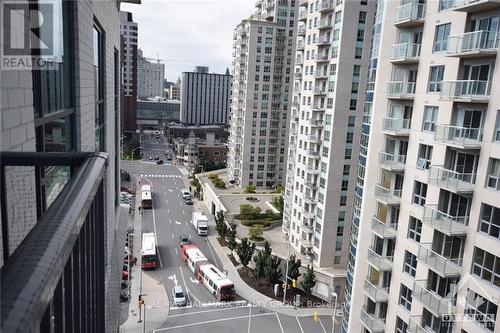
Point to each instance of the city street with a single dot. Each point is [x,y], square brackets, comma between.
[169,219]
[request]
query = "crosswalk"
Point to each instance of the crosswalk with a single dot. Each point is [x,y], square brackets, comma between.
[160,176]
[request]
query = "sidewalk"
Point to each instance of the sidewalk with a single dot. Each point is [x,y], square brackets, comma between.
[156,299]
[242,289]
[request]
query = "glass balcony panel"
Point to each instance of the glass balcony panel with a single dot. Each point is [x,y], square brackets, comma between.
[473,43]
[442,265]
[376,293]
[432,300]
[381,263]
[387,196]
[466,90]
[456,181]
[383,229]
[405,52]
[401,89]
[372,322]
[392,162]
[396,126]
[410,14]
[462,137]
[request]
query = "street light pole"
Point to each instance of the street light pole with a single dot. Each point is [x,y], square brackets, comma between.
[334,295]
[286,270]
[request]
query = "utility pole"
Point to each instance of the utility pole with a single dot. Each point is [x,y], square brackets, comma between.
[286,270]
[334,295]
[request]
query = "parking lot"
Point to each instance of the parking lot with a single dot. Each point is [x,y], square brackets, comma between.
[244,318]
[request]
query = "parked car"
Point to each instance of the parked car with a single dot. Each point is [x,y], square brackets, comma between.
[159,162]
[150,157]
[189,201]
[124,275]
[169,158]
[157,157]
[178,296]
[123,296]
[184,240]
[186,194]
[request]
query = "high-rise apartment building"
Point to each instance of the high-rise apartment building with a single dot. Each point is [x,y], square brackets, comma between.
[129,33]
[62,241]
[205,97]
[428,257]
[263,59]
[150,76]
[329,80]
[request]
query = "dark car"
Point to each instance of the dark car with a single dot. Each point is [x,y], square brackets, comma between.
[188,201]
[184,240]
[159,162]
[124,175]
[169,158]
[126,189]
[157,157]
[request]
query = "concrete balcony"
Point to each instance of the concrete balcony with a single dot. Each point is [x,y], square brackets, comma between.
[303,15]
[445,223]
[258,3]
[313,170]
[316,122]
[322,58]
[474,6]
[269,4]
[457,182]
[301,31]
[326,6]
[306,242]
[297,75]
[431,300]
[303,2]
[325,24]
[383,229]
[299,61]
[410,15]
[396,126]
[319,91]
[323,41]
[314,139]
[310,199]
[307,228]
[311,184]
[321,74]
[313,154]
[373,323]
[391,162]
[472,91]
[415,327]
[318,107]
[459,137]
[376,293]
[405,53]
[381,263]
[387,196]
[401,89]
[474,44]
[443,266]
[300,45]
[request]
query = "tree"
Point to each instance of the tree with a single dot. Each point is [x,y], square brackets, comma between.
[245,251]
[278,203]
[248,212]
[231,239]
[267,249]
[260,265]
[272,269]
[250,188]
[220,224]
[309,281]
[293,267]
[256,232]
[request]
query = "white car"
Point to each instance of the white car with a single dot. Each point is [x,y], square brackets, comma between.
[186,194]
[178,296]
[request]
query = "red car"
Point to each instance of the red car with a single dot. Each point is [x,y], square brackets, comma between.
[126,189]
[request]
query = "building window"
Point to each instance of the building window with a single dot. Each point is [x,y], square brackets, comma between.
[343,200]
[435,78]
[414,229]
[430,118]
[410,264]
[486,266]
[99,89]
[496,136]
[441,37]
[493,178]
[401,325]
[424,156]
[481,310]
[490,221]
[405,297]
[419,193]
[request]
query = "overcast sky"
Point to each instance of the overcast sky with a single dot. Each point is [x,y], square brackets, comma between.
[189,33]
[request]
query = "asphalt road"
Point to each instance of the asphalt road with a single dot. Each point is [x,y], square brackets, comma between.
[169,219]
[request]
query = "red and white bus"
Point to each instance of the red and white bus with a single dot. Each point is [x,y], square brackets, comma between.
[148,252]
[146,197]
[216,281]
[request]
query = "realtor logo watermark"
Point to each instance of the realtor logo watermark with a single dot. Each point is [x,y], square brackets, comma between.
[28,35]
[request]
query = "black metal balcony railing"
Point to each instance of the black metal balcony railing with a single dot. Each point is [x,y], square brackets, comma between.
[55,279]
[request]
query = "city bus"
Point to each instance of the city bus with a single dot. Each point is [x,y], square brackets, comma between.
[216,282]
[148,253]
[146,197]
[193,258]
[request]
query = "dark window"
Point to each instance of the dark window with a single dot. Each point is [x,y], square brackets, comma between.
[405,297]
[98,43]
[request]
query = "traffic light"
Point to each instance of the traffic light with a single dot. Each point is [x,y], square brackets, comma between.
[315,316]
[294,283]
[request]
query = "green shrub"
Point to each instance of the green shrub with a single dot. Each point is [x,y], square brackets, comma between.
[250,188]
[249,223]
[219,183]
[255,233]
[212,176]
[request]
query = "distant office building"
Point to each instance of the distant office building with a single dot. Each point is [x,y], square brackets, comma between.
[174,131]
[172,90]
[62,244]
[129,32]
[157,112]
[205,97]
[192,150]
[150,77]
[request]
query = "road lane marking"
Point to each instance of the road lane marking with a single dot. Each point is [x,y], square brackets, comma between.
[177,253]
[193,280]
[154,229]
[183,212]
[279,322]
[170,221]
[168,210]
[212,310]
[211,321]
[190,235]
[173,236]
[184,281]
[319,319]
[166,200]
[300,326]
[177,222]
